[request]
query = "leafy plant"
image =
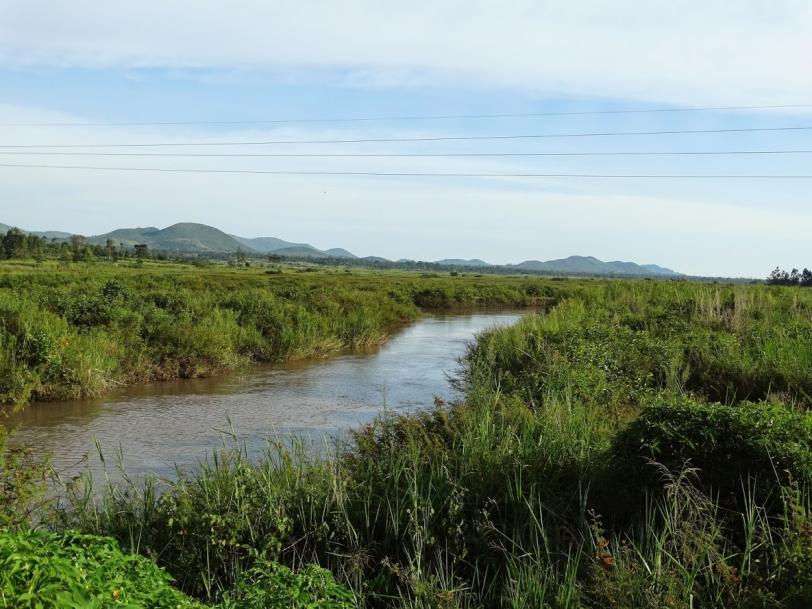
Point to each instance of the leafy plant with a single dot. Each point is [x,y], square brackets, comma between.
[273,585]
[40,570]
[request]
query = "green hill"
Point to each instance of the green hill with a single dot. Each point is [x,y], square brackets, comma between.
[265,245]
[127,236]
[300,251]
[49,234]
[190,237]
[460,262]
[182,237]
[339,252]
[589,265]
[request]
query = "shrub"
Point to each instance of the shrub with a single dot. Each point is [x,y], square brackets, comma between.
[763,442]
[22,482]
[273,585]
[49,571]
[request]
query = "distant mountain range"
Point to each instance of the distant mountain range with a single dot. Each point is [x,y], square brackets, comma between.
[189,237]
[589,265]
[49,234]
[460,262]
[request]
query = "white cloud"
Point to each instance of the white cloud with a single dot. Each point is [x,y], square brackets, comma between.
[677,51]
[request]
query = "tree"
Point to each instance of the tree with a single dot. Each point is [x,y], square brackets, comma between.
[778,277]
[110,249]
[141,250]
[65,256]
[794,277]
[77,247]
[14,244]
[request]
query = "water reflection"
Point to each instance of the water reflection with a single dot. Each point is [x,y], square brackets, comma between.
[178,422]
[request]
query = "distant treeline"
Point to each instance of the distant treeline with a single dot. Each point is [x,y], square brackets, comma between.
[16,244]
[794,277]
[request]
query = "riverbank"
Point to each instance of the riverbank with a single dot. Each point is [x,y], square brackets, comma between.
[81,330]
[168,424]
[643,446]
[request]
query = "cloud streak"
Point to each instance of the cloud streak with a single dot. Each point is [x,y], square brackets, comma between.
[681,52]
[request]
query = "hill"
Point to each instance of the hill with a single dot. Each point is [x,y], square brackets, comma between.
[182,237]
[589,265]
[49,234]
[461,262]
[189,237]
[339,252]
[265,245]
[300,251]
[127,236]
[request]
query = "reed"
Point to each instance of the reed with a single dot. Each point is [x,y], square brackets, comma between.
[642,445]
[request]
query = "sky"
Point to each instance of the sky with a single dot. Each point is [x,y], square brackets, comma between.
[93,73]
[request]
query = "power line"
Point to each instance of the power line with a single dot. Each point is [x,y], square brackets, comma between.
[410,155]
[420,174]
[414,117]
[454,138]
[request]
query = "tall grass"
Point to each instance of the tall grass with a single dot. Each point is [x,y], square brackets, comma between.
[76,333]
[642,445]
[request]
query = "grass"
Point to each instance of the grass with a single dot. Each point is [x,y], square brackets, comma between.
[80,330]
[40,570]
[642,445]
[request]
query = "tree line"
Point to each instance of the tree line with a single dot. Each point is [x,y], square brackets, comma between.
[17,244]
[794,277]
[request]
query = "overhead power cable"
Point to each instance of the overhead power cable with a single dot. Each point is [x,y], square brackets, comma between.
[420,174]
[411,117]
[443,138]
[408,155]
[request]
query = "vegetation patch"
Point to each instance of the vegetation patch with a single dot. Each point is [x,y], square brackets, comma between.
[81,330]
[69,570]
[643,445]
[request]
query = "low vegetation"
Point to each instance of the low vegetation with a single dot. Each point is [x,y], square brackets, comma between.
[642,445]
[40,570]
[83,329]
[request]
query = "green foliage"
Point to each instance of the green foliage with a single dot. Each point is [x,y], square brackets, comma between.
[77,332]
[273,585]
[620,344]
[768,442]
[41,570]
[22,483]
[532,492]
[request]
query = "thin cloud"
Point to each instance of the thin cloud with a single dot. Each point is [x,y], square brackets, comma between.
[686,52]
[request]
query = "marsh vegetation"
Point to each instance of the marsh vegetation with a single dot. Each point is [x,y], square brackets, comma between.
[641,444]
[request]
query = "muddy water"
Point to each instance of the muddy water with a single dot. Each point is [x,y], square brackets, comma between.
[161,425]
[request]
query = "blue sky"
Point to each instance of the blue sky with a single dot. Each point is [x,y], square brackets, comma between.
[93,62]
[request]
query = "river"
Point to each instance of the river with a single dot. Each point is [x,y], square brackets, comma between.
[177,423]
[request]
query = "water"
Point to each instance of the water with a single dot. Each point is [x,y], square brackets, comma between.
[161,425]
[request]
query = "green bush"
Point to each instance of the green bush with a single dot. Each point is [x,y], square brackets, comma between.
[41,570]
[22,482]
[273,585]
[767,444]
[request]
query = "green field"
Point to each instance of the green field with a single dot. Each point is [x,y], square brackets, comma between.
[636,444]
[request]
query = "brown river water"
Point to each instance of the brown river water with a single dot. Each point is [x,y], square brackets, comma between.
[177,423]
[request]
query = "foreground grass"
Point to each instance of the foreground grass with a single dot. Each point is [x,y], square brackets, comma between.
[58,571]
[80,330]
[644,445]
